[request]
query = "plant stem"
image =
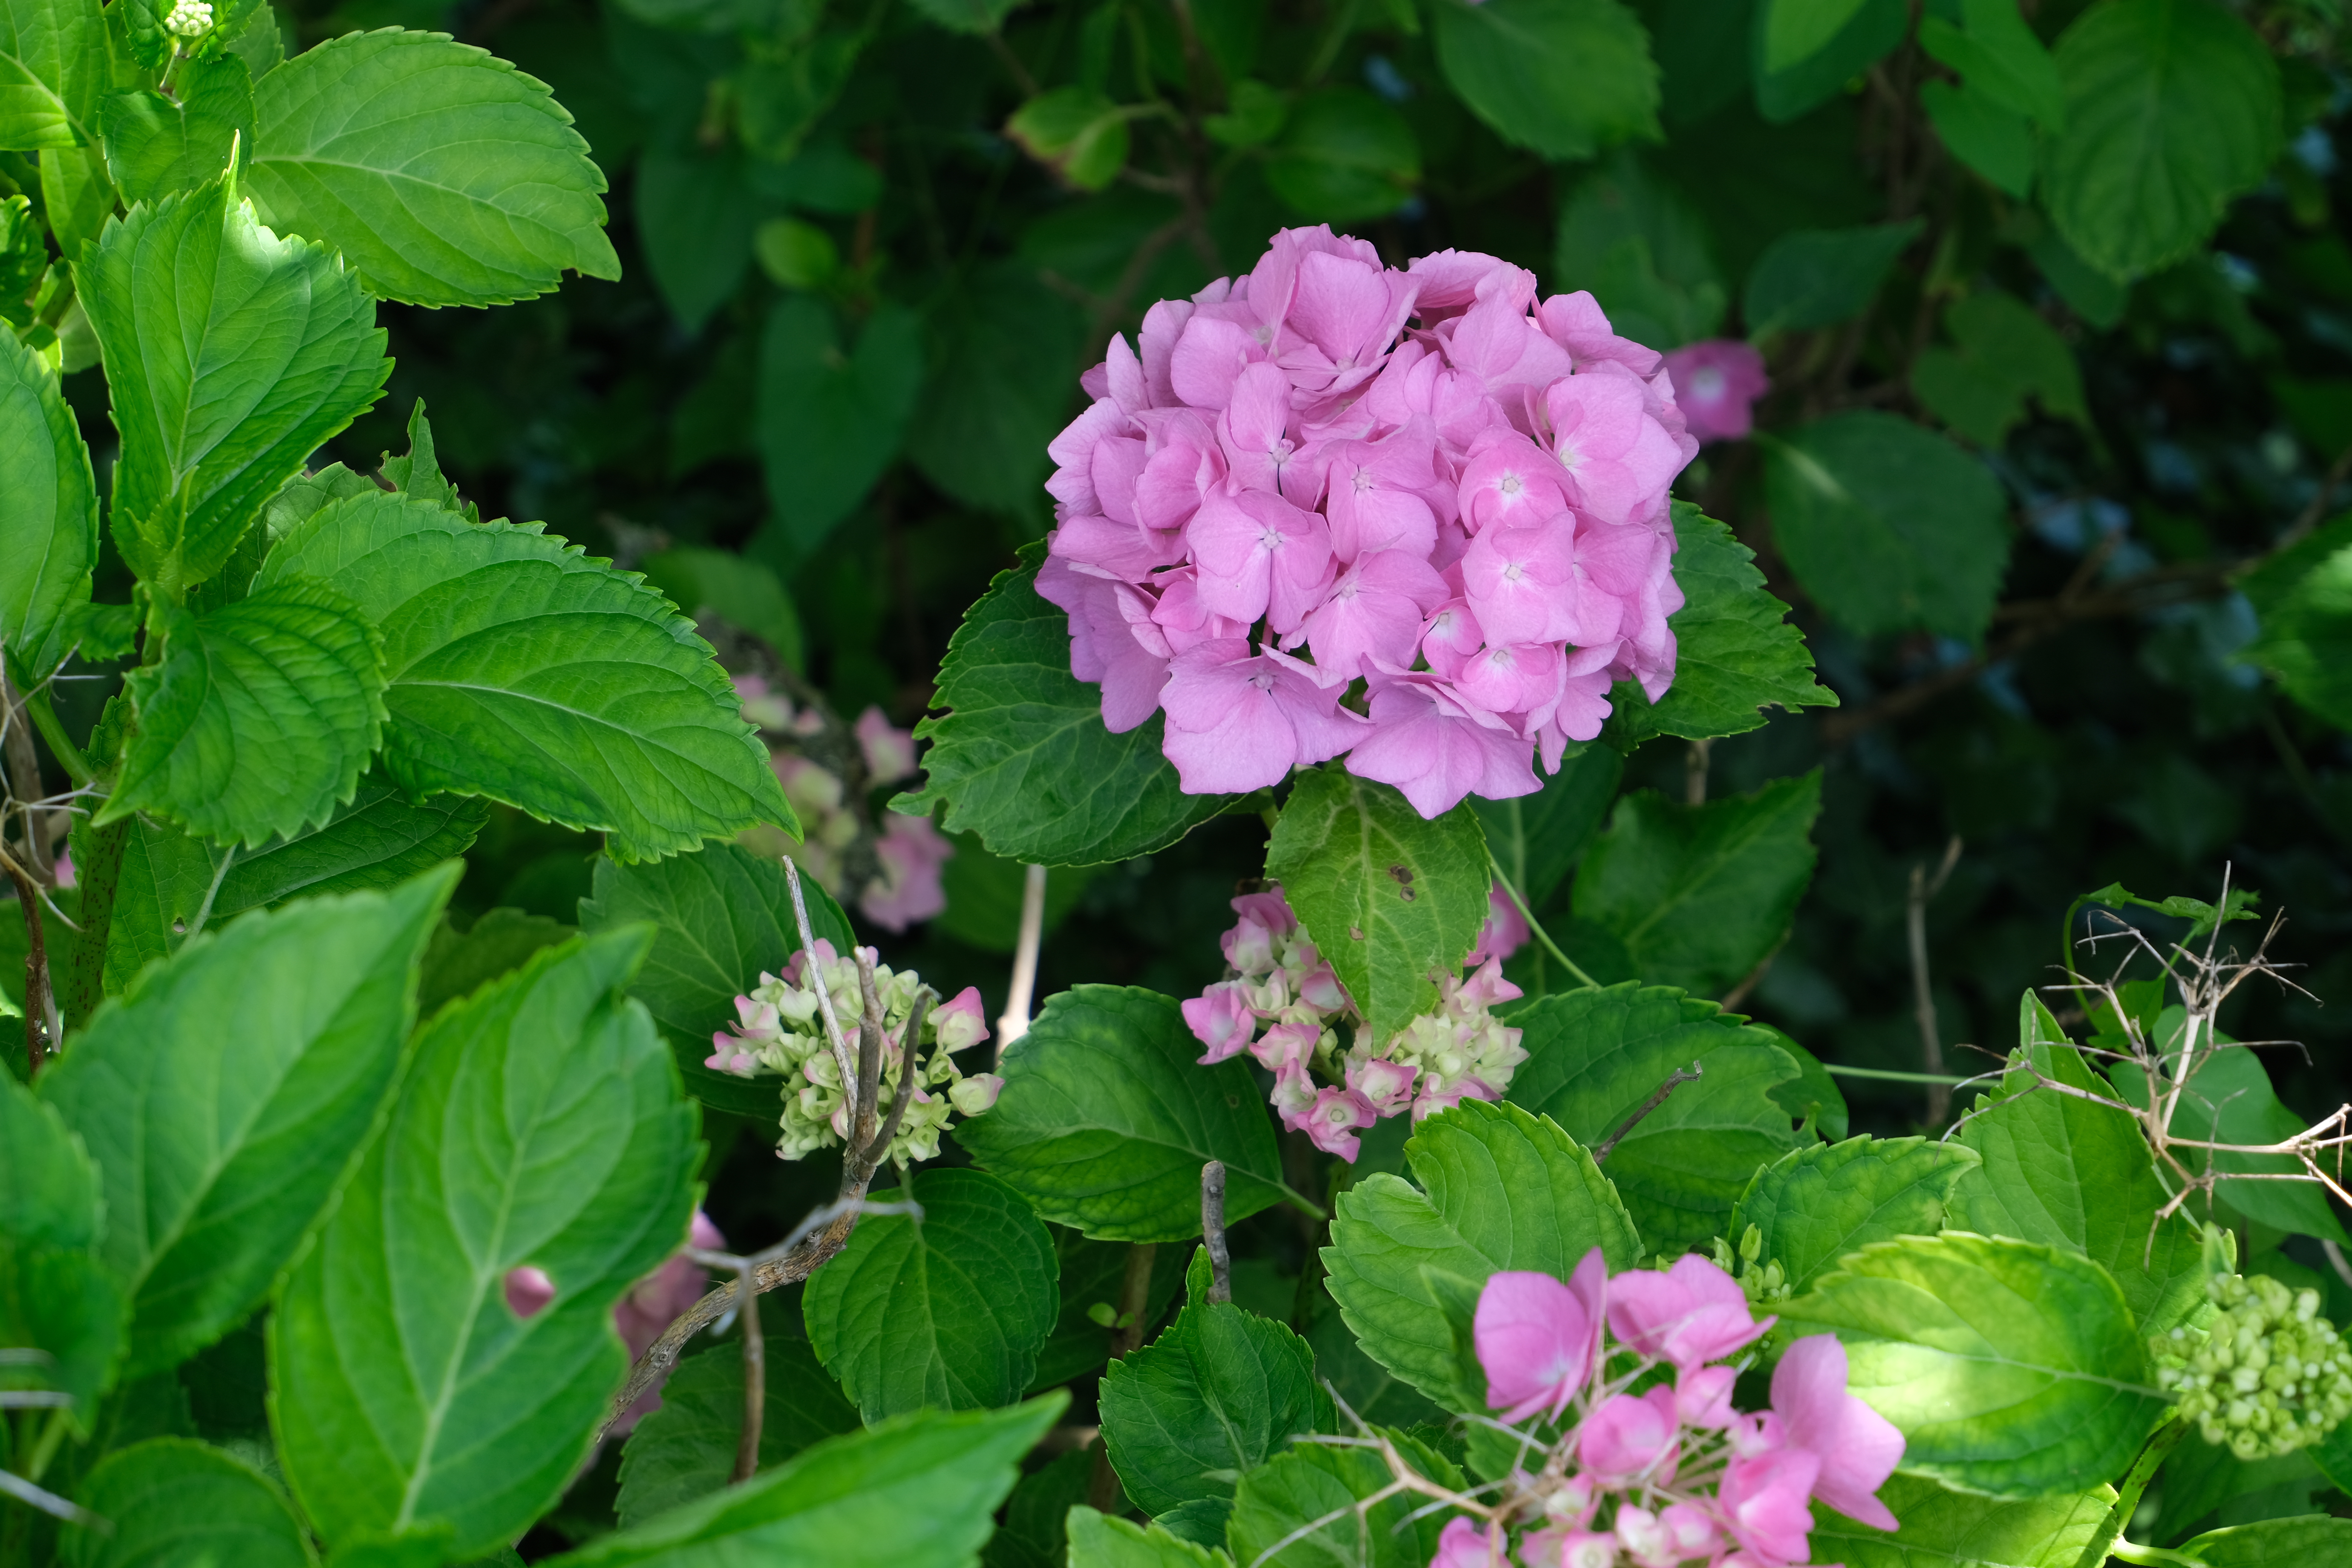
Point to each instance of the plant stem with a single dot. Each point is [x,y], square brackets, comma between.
[1014,1022]
[1213,1230]
[1840,1070]
[1535,929]
[61,746]
[2153,1556]
[755,1372]
[1923,889]
[1674,1080]
[41,1026]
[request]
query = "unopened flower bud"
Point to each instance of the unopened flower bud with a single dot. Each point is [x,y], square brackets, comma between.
[189,19]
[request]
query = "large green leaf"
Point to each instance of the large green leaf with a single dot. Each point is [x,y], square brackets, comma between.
[49,1192]
[230,355]
[2304,596]
[1500,1189]
[1392,900]
[917,1492]
[2172,109]
[541,1124]
[1100,1541]
[1565,77]
[1019,753]
[1539,838]
[948,1311]
[1003,389]
[1106,1120]
[695,214]
[49,514]
[1817,278]
[1217,1396]
[157,145]
[1314,1479]
[2273,1543]
[259,718]
[1595,1057]
[169,1500]
[829,419]
[722,916]
[1699,895]
[445,175]
[686,1448]
[1944,1529]
[1345,156]
[1813,1205]
[1868,32]
[2013,1369]
[484,630]
[66,1303]
[218,1145]
[2066,1171]
[52,67]
[1735,652]
[1889,526]
[1634,239]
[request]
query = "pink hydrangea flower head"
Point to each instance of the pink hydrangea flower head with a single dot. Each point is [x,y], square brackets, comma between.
[1689,1532]
[1703,1397]
[911,850]
[1763,1500]
[1295,1094]
[1587,1548]
[1539,1339]
[1336,1117]
[1221,1019]
[1464,1544]
[959,1021]
[1238,722]
[1285,1043]
[1629,1439]
[1505,932]
[1437,748]
[890,751]
[1716,384]
[1691,1314]
[1858,1448]
[1387,1086]
[975,1092]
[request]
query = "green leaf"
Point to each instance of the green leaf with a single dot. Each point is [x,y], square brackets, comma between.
[541,1124]
[1345,156]
[694,217]
[1019,754]
[722,916]
[483,625]
[916,1492]
[157,145]
[48,1189]
[445,175]
[2172,109]
[1796,30]
[458,964]
[1539,838]
[2003,353]
[829,419]
[1500,1188]
[1595,1057]
[1313,1480]
[2304,596]
[2013,1369]
[2001,59]
[1091,1273]
[1644,251]
[1035,1532]
[742,592]
[1564,78]
[52,64]
[1106,1120]
[231,355]
[219,1146]
[1075,132]
[1813,1205]
[985,891]
[48,515]
[974,17]
[68,1304]
[1701,894]
[946,1311]
[257,722]
[1392,899]
[1219,1394]
[686,1448]
[2066,1171]
[169,1500]
[78,198]
[1995,141]
[1868,32]
[1003,390]
[1944,1529]
[1819,276]
[1889,528]
[2271,1543]
[1100,1541]
[1736,654]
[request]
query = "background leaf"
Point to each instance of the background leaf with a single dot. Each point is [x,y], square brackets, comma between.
[1539,838]
[52,64]
[829,419]
[1345,156]
[1944,1529]
[171,1500]
[686,1448]
[1313,1480]
[695,218]
[49,514]
[1003,390]
[2304,595]
[1817,278]
[2272,1542]
[1562,77]
[1813,1205]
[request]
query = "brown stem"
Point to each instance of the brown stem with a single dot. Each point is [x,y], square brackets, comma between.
[1104,1491]
[85,984]
[1923,889]
[1213,1230]
[1674,1081]
[755,1376]
[40,1007]
[25,783]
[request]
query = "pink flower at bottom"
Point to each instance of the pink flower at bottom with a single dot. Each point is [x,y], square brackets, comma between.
[1764,1501]
[1464,1543]
[65,869]
[652,1304]
[1716,384]
[1221,1019]
[1857,1447]
[1333,1119]
[1537,1339]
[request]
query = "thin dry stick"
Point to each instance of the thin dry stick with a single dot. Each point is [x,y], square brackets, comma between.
[1014,1022]
[755,1374]
[1213,1230]
[824,996]
[24,783]
[1674,1081]
[1695,773]
[41,1022]
[869,1051]
[1923,889]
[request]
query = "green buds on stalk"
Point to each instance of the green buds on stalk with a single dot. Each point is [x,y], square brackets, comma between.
[2269,1374]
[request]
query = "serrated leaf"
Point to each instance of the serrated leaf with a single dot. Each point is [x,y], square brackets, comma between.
[48,1188]
[541,1124]
[257,722]
[1813,1205]
[2172,109]
[2013,1369]
[65,1302]
[722,916]
[1870,30]
[1314,1479]
[1700,894]
[1565,77]
[157,145]
[1889,526]
[686,1448]
[1539,838]
[1019,754]
[916,1492]
[445,175]
[1106,1118]
[219,1146]
[1100,1541]
[2304,596]
[230,355]
[1596,1056]
[1393,901]
[1217,1394]
[949,1311]
[1944,1529]
[2063,1170]
[2003,353]
[171,1500]
[483,627]
[1999,57]
[48,515]
[458,964]
[1500,1188]
[2271,1543]
[829,418]
[52,64]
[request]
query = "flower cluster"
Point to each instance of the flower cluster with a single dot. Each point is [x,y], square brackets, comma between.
[189,19]
[1434,484]
[895,868]
[2269,1374]
[1280,980]
[1767,1283]
[779,1031]
[1631,1448]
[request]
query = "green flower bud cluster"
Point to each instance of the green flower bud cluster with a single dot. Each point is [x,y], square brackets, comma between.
[1770,1283]
[2268,1377]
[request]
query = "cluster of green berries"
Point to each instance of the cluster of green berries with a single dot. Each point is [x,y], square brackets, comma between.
[1770,1283]
[189,19]
[2269,1374]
